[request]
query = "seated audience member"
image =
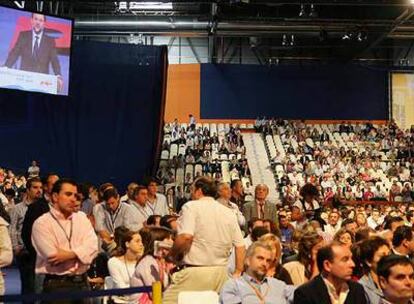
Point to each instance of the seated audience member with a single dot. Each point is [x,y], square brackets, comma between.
[140,209]
[403,241]
[305,267]
[361,220]
[251,224]
[276,270]
[286,233]
[333,223]
[110,215]
[370,252]
[169,221]
[224,195]
[395,276]
[393,222]
[254,286]
[125,256]
[156,202]
[154,220]
[334,284]
[350,225]
[271,226]
[6,252]
[152,266]
[345,237]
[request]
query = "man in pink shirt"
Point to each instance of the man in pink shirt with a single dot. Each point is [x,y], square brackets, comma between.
[65,242]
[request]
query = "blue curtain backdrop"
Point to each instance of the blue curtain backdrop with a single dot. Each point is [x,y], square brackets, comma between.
[293,92]
[107,130]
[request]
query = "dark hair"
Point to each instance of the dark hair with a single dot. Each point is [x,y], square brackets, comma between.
[102,189]
[58,185]
[389,261]
[153,234]
[207,185]
[47,176]
[326,253]
[363,234]
[109,193]
[150,180]
[309,189]
[251,222]
[84,189]
[152,219]
[392,220]
[257,232]
[31,181]
[121,236]
[234,182]
[400,234]
[367,249]
[166,221]
[137,190]
[347,222]
[44,16]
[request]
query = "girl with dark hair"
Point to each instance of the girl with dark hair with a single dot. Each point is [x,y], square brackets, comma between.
[122,265]
[152,266]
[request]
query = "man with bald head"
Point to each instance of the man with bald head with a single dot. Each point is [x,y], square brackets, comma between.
[260,207]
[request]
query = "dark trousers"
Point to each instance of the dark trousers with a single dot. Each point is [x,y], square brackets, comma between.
[26,265]
[55,283]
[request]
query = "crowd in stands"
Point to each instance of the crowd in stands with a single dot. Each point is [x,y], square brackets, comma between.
[347,162]
[66,236]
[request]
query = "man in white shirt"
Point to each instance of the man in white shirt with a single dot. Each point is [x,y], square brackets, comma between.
[333,223]
[207,231]
[156,202]
[139,207]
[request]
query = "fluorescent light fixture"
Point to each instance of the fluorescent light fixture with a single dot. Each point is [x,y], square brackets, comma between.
[124,5]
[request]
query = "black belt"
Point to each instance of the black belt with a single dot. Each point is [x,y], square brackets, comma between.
[67,277]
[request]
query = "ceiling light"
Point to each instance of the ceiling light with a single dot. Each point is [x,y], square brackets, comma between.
[302,12]
[124,5]
[313,13]
[284,40]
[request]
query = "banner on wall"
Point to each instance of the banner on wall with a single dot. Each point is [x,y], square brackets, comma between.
[403,99]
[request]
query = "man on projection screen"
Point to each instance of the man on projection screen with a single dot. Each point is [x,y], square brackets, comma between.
[36,49]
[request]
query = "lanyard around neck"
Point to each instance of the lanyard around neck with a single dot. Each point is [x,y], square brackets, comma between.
[261,296]
[68,237]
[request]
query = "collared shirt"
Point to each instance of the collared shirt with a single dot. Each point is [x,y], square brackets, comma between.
[214,229]
[239,291]
[140,214]
[159,206]
[372,291]
[233,207]
[52,231]
[16,224]
[109,221]
[335,298]
[34,35]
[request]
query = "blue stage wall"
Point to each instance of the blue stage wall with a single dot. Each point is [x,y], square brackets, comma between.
[293,92]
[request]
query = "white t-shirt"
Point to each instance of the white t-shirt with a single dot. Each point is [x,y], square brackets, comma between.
[121,274]
[214,229]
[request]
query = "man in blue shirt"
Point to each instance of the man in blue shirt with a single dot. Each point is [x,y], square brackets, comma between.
[253,286]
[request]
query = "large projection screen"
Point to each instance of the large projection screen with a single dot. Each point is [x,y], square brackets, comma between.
[34,51]
[403,99]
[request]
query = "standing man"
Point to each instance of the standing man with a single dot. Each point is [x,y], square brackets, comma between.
[334,284]
[65,242]
[36,50]
[260,207]
[21,252]
[237,193]
[395,274]
[156,201]
[34,211]
[224,194]
[206,233]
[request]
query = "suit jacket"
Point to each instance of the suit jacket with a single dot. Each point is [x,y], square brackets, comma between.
[34,211]
[316,292]
[270,211]
[23,49]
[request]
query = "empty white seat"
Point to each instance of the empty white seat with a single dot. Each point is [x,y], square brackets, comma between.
[198,297]
[165,154]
